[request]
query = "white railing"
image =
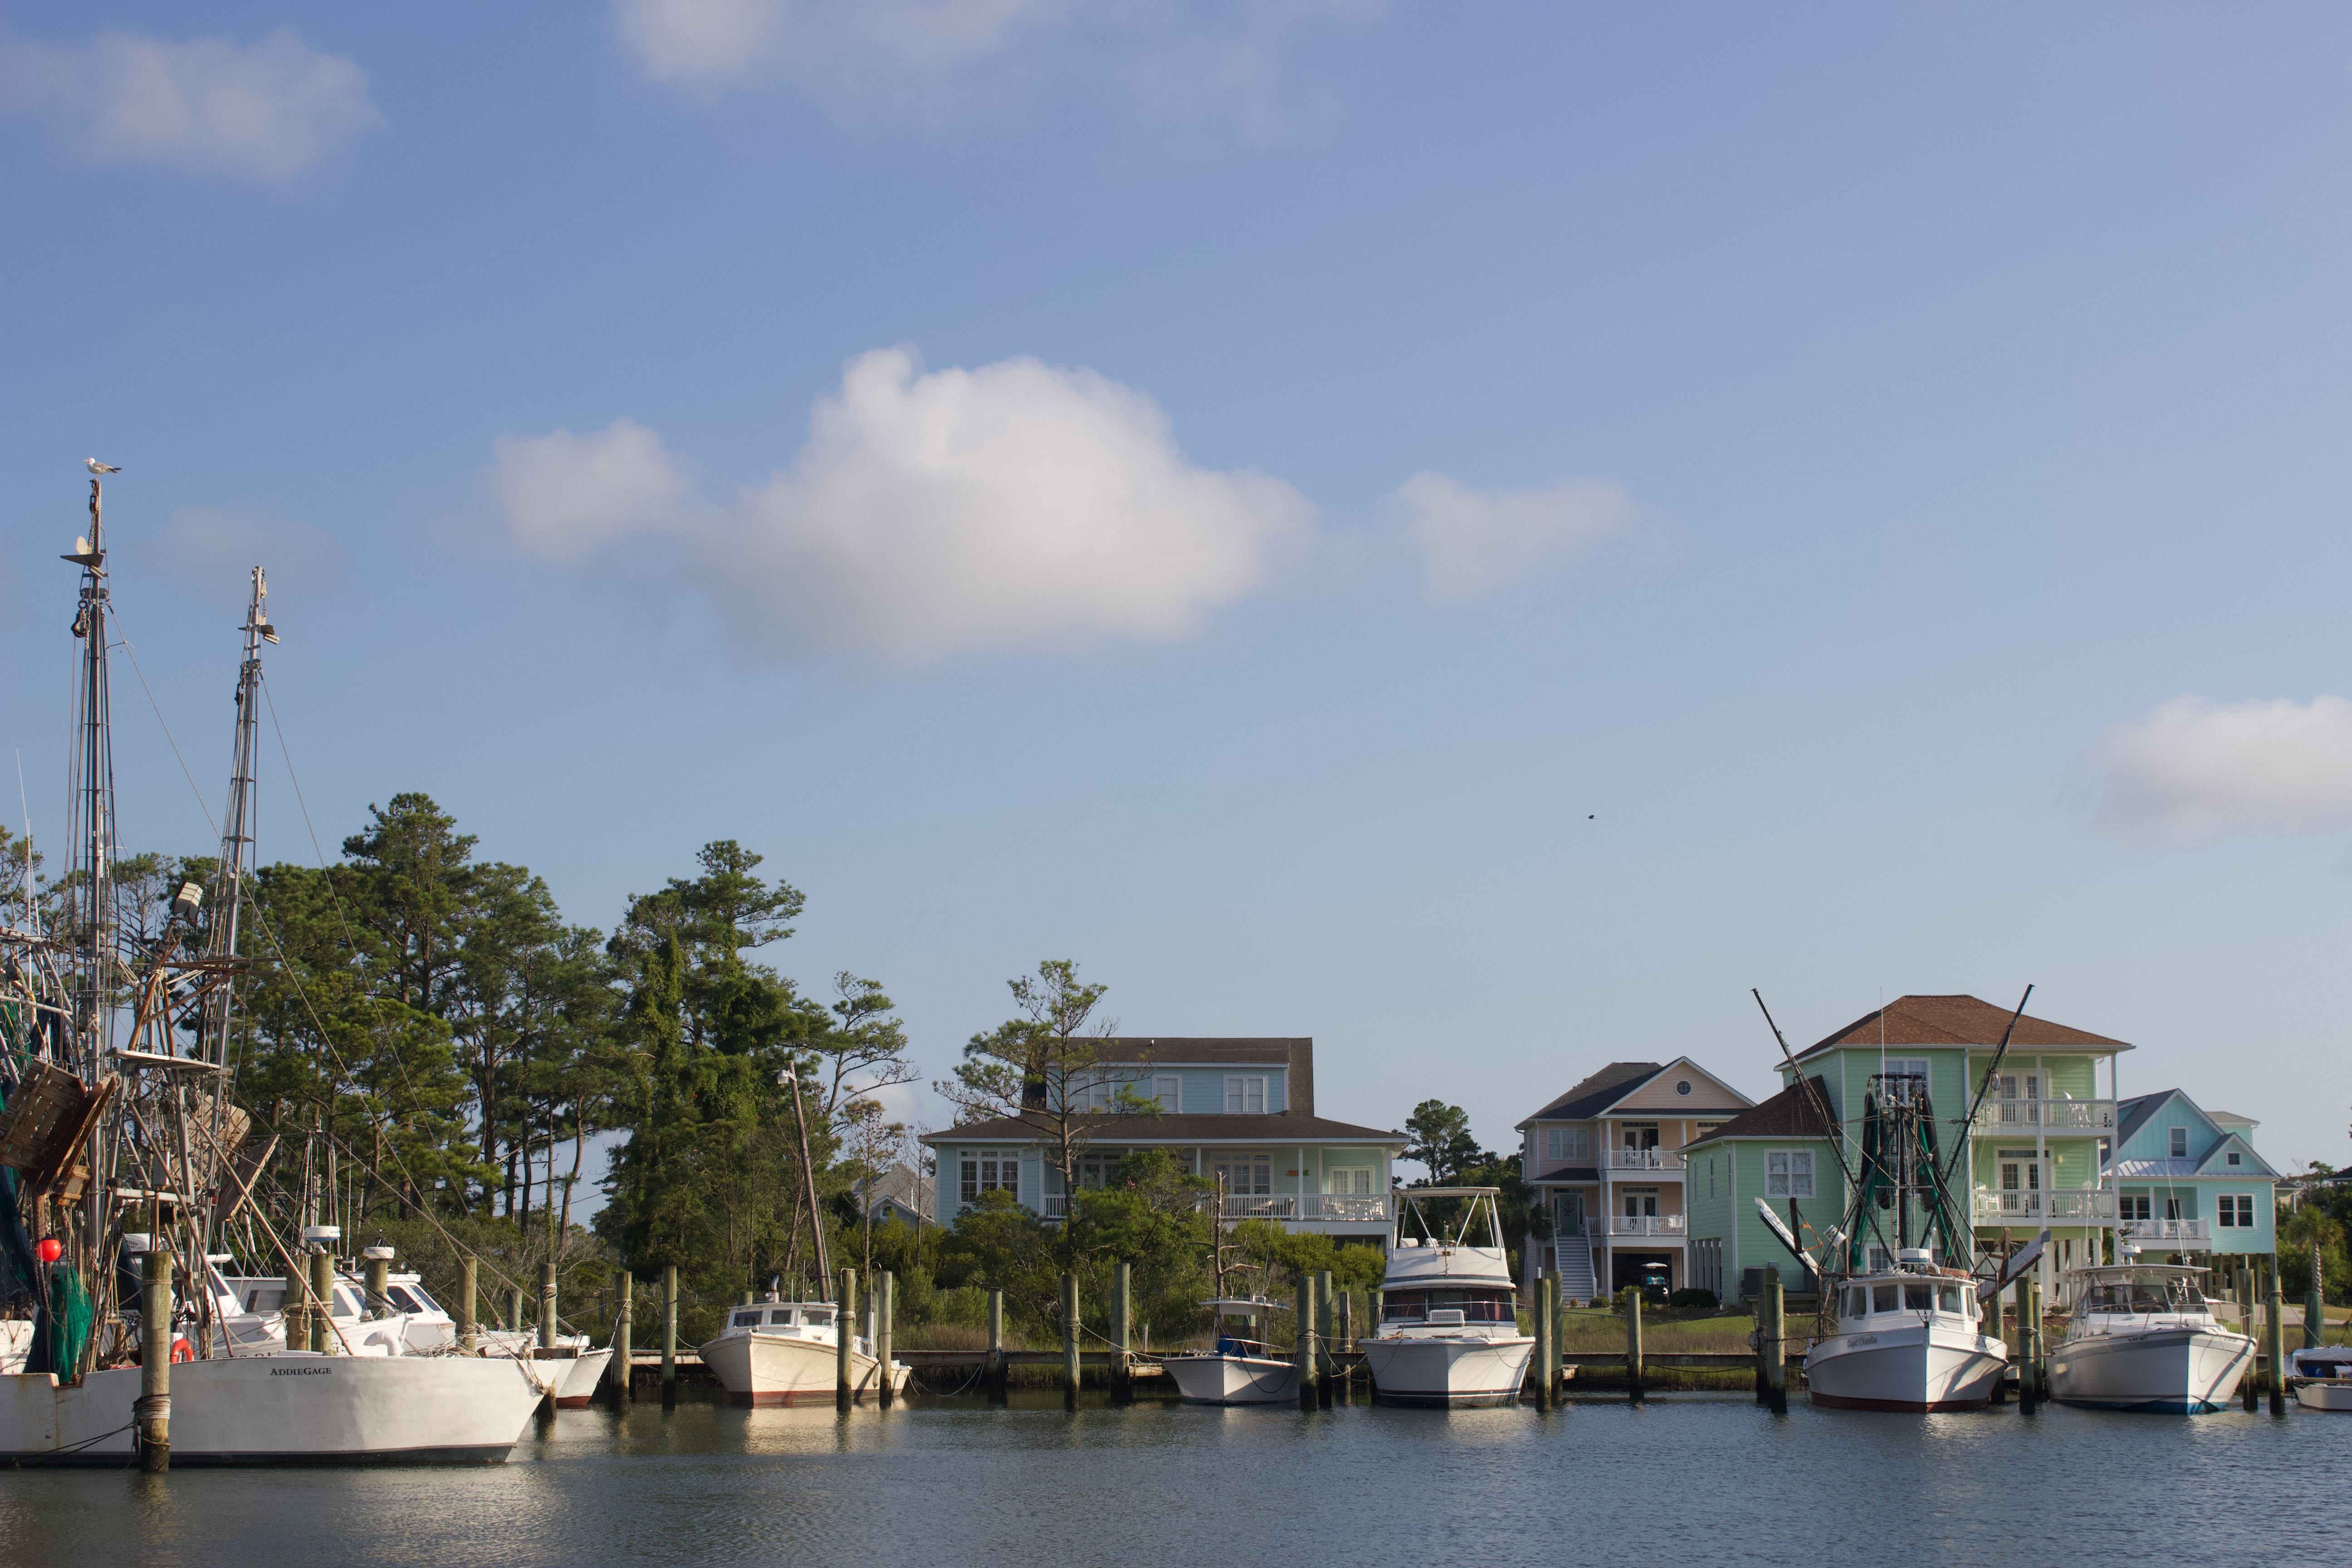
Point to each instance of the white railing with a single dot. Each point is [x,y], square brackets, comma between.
[1645,1160]
[2051,1115]
[2057,1203]
[2162,1230]
[1340,1207]
[1056,1206]
[1645,1225]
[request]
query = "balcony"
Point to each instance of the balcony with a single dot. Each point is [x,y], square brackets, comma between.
[1671,1224]
[1645,1160]
[2087,1206]
[2063,1117]
[2188,1233]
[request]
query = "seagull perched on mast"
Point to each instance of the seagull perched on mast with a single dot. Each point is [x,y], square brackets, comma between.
[95,467]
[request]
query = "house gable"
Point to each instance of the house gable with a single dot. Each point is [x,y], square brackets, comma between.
[2249,1164]
[1663,1093]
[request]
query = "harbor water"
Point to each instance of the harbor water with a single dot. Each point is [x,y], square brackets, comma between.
[1697,1478]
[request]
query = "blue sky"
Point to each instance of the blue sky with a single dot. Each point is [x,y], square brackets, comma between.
[1476,532]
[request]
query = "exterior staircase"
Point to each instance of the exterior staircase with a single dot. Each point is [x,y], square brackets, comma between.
[1573,1259]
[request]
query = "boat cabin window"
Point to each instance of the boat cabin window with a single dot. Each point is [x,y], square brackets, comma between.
[1473,1306]
[402,1298]
[266,1299]
[816,1317]
[1919,1297]
[1947,1297]
[2149,1295]
[747,1319]
[346,1304]
[1857,1303]
[1881,1298]
[778,1317]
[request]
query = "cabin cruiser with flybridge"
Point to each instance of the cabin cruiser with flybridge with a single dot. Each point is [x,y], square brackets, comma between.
[787,1352]
[1449,1335]
[1241,1370]
[2143,1337]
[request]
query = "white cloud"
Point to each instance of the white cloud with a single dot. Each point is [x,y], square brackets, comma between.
[2195,767]
[267,111]
[1477,540]
[1232,63]
[1019,504]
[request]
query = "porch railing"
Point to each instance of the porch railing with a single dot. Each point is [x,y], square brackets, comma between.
[2051,1115]
[2174,1230]
[1646,1225]
[2055,1203]
[1646,1159]
[1336,1207]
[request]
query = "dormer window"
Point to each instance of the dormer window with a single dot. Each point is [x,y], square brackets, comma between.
[2180,1143]
[1245,1096]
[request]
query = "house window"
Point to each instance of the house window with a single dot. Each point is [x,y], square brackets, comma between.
[1100,1095]
[2232,1159]
[1641,1202]
[1169,1091]
[2237,1210]
[2134,1205]
[2180,1143]
[1244,1097]
[1567,1144]
[1350,1180]
[2172,1209]
[1683,1087]
[1641,1134]
[1244,1176]
[2020,1171]
[989,1171]
[1789,1174]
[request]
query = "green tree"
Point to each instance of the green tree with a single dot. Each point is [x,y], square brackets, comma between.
[1439,1137]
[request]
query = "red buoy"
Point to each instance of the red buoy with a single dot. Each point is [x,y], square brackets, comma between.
[50,1249]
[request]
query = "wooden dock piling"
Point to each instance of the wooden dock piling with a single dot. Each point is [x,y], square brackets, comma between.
[994,1369]
[617,1370]
[469,1303]
[1324,1324]
[1633,1339]
[1772,1348]
[2027,1393]
[155,1406]
[886,1306]
[322,1298]
[547,1305]
[2315,1308]
[1547,1346]
[844,1341]
[1122,1319]
[1070,1341]
[669,1336]
[1303,1351]
[2274,1340]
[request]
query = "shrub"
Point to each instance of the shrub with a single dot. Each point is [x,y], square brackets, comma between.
[1692,1300]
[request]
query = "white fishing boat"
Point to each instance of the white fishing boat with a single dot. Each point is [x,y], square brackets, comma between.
[1449,1333]
[2143,1337]
[1243,1369]
[2321,1377]
[1907,1339]
[787,1352]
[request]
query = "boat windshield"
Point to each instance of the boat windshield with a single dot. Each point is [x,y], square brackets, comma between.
[745,1320]
[781,1317]
[2153,1293]
[1475,1306]
[1907,1296]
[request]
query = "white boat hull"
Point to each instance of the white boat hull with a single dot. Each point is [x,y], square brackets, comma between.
[288,1408]
[1913,1366]
[579,1375]
[1231,1379]
[2323,1396]
[2182,1371]
[1451,1371]
[776,1369]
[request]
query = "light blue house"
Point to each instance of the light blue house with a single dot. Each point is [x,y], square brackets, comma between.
[2188,1181]
[1238,1111]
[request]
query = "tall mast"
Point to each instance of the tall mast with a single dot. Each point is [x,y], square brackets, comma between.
[93,844]
[237,825]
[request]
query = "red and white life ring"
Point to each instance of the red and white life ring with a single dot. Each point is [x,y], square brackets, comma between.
[182,1350]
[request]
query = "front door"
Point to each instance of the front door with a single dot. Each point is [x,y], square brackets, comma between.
[1244,1176]
[1568,1214]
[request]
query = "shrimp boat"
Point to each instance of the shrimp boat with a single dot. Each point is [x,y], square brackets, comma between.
[1449,1335]
[2321,1376]
[2143,1337]
[1907,1334]
[117,1140]
[1243,1369]
[775,1352]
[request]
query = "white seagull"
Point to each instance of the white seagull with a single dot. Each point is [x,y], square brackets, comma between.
[96,467]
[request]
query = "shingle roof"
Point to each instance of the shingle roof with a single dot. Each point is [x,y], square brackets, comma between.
[1611,1084]
[1792,1113]
[1954,1021]
[1579,1175]
[1115,1130]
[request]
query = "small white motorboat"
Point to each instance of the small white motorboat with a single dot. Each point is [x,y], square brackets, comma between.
[787,1353]
[1906,1339]
[2143,1337]
[1241,1370]
[2321,1376]
[1449,1334]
